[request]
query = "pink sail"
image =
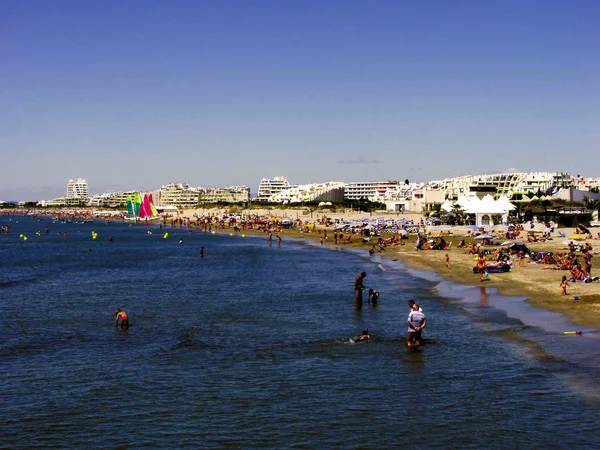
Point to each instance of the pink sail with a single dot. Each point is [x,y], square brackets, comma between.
[145,208]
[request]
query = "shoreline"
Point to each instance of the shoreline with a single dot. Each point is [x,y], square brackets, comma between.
[539,287]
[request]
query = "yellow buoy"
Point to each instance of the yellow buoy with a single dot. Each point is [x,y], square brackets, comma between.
[21,236]
[166,235]
[243,235]
[24,238]
[230,234]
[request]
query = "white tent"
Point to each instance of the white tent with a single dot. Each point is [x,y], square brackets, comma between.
[487,207]
[447,206]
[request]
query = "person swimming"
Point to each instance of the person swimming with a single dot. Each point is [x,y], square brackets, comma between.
[364,336]
[121,318]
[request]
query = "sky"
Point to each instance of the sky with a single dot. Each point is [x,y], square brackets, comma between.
[137,94]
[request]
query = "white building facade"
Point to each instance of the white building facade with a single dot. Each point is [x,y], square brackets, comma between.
[77,189]
[271,186]
[180,195]
[232,194]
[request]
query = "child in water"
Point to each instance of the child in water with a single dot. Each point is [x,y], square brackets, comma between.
[373,297]
[564,284]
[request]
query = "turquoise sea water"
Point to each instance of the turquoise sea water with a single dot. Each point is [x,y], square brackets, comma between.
[248,348]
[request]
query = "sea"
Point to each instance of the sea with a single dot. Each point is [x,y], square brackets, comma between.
[250,347]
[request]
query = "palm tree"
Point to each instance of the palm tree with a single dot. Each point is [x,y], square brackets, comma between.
[519,210]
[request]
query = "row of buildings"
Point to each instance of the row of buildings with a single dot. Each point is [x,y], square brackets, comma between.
[398,196]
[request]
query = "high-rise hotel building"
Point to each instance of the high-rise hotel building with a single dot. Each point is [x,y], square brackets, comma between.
[77,189]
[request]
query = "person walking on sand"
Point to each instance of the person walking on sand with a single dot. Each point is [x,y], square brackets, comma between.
[563,285]
[481,263]
[358,288]
[447,261]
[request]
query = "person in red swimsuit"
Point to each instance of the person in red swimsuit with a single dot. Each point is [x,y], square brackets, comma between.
[121,318]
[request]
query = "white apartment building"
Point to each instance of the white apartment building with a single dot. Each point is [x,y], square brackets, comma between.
[77,189]
[332,191]
[178,194]
[371,190]
[111,199]
[232,194]
[506,184]
[271,186]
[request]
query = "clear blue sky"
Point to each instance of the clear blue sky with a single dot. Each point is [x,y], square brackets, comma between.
[136,94]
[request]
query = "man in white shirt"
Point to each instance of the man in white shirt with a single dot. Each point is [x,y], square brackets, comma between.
[416,322]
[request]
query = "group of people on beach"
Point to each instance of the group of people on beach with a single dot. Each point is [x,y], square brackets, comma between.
[416,318]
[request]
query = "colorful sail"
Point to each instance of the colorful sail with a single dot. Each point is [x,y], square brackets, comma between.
[130,210]
[145,210]
[152,207]
[137,201]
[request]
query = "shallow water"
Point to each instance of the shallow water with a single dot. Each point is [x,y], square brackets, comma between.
[248,348]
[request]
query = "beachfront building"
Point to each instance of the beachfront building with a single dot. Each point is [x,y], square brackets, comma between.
[332,191]
[178,194]
[77,189]
[586,183]
[232,194]
[370,190]
[111,199]
[271,186]
[415,197]
[508,184]
[62,201]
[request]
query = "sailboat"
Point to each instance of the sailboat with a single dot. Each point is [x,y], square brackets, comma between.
[141,208]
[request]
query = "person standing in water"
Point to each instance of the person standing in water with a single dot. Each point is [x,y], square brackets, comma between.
[202,252]
[358,288]
[121,318]
[416,323]
[373,297]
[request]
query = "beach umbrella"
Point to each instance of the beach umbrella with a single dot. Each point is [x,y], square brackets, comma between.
[484,236]
[584,229]
[403,232]
[518,246]
[570,241]
[473,227]
[577,237]
[506,243]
